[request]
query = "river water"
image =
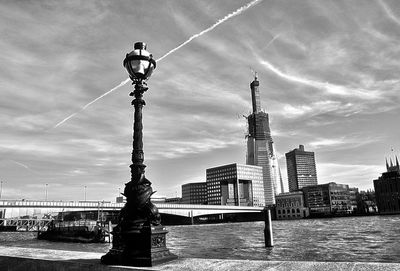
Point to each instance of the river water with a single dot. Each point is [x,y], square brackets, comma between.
[372,238]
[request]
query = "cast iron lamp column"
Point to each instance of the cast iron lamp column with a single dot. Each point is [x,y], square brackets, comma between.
[139,239]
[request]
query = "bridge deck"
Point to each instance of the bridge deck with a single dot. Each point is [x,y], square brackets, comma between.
[176,209]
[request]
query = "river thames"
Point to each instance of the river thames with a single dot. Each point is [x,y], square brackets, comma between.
[364,239]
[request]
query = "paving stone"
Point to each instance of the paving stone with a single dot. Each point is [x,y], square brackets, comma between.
[32,259]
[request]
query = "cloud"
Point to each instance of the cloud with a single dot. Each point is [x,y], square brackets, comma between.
[220,21]
[355,175]
[327,142]
[389,12]
[319,108]
[329,78]
[343,142]
[329,88]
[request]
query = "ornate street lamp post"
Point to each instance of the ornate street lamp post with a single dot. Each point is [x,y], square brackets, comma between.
[139,239]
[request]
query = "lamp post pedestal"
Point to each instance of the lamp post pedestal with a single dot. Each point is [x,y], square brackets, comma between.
[144,246]
[139,239]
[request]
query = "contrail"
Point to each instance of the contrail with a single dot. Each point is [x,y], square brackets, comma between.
[272,40]
[220,21]
[95,100]
[389,12]
[330,88]
[20,164]
[24,166]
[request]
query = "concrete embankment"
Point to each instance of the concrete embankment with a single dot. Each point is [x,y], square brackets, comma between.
[32,259]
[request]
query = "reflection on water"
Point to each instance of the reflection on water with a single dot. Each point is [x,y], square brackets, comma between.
[374,238]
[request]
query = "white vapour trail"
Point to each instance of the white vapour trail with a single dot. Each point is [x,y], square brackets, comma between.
[272,40]
[20,164]
[24,166]
[389,12]
[95,100]
[220,21]
[330,88]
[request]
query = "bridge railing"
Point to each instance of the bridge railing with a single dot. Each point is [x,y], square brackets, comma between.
[61,204]
[112,205]
[23,224]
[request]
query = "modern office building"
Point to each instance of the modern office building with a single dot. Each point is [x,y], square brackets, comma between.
[290,205]
[387,189]
[260,148]
[301,169]
[235,184]
[327,199]
[194,193]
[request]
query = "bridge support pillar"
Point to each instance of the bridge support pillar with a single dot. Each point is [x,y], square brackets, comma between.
[269,240]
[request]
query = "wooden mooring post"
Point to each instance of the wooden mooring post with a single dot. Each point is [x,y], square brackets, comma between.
[269,239]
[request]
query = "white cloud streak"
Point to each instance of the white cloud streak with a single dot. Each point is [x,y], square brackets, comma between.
[20,164]
[272,40]
[92,102]
[24,166]
[389,12]
[319,107]
[353,141]
[328,87]
[220,21]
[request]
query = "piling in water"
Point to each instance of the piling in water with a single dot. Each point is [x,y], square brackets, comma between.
[269,240]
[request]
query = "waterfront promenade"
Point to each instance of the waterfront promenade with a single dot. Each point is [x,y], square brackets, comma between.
[362,243]
[24,259]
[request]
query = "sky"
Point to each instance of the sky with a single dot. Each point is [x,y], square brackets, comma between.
[328,72]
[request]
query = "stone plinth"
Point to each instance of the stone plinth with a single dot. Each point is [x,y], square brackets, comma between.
[145,246]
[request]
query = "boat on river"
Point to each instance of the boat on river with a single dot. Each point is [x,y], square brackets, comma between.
[82,231]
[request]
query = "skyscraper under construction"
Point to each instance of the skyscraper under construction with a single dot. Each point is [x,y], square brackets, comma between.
[260,148]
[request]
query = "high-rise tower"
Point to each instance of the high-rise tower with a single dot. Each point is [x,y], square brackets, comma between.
[260,149]
[300,169]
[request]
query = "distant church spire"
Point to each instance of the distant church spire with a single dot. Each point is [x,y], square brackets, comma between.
[387,165]
[397,162]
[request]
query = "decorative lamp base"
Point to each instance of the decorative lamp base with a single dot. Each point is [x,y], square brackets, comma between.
[144,247]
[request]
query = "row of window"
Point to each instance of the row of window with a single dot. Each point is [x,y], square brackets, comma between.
[287,204]
[339,203]
[284,211]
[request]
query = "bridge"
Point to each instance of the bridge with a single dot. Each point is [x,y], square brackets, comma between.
[187,210]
